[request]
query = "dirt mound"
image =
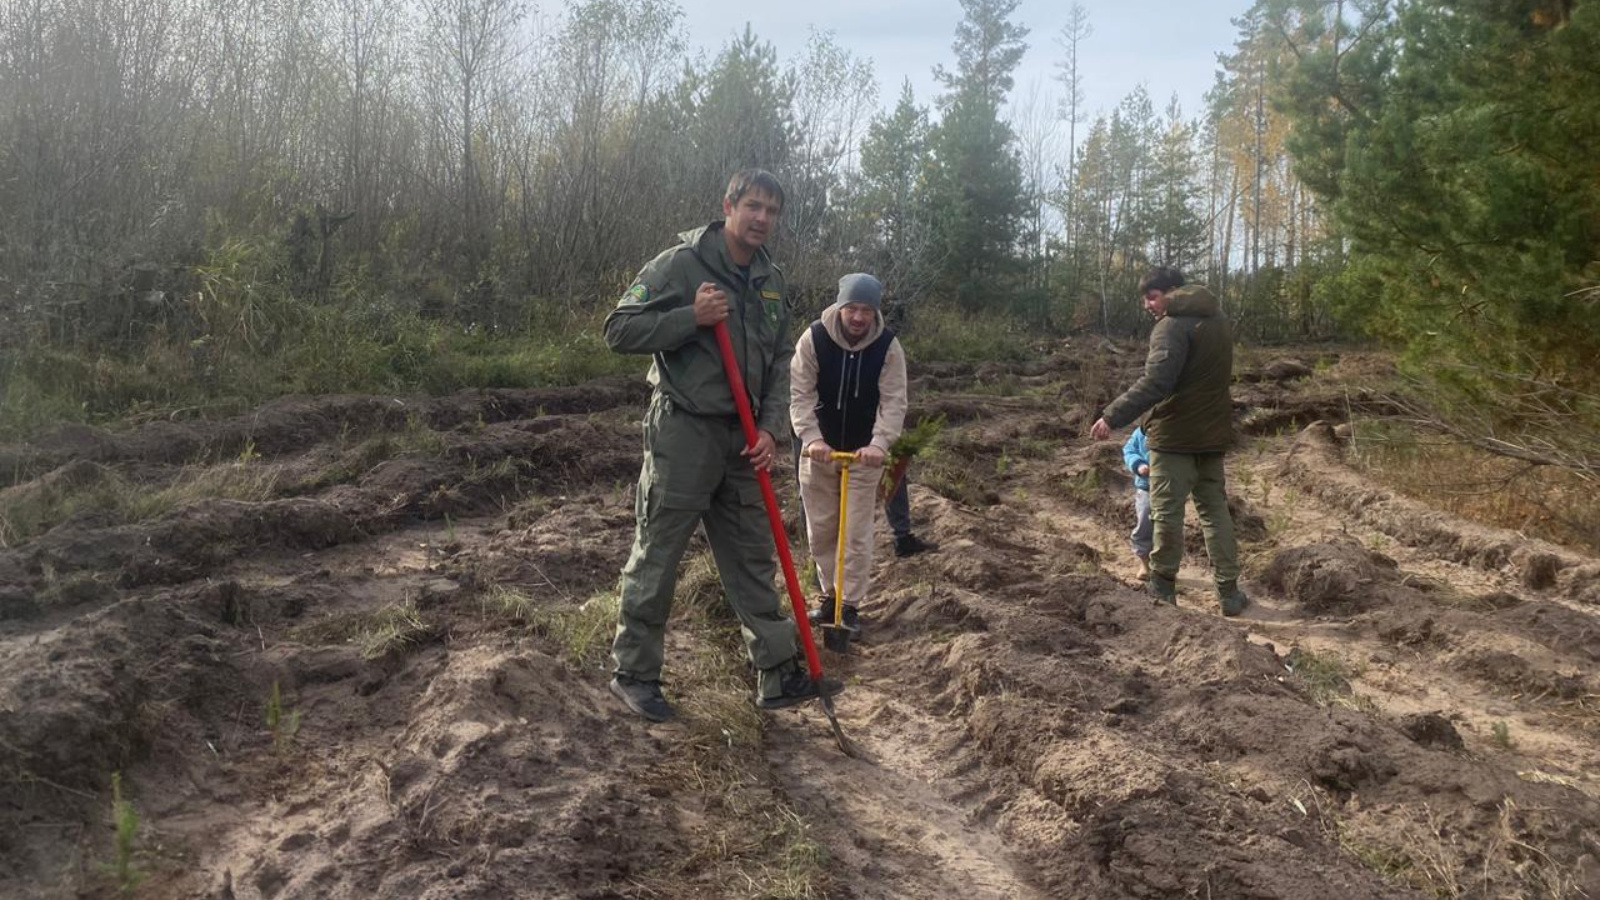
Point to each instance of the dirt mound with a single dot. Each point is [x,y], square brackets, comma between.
[80,700]
[1338,578]
[1315,462]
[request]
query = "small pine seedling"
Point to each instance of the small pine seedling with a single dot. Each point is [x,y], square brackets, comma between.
[283,725]
[1502,735]
[127,824]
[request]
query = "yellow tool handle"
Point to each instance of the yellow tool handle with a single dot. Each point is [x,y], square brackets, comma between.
[844,460]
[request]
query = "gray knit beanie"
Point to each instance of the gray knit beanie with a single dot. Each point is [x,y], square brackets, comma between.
[860,288]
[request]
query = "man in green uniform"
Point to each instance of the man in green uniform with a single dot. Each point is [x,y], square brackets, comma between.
[1187,374]
[697,467]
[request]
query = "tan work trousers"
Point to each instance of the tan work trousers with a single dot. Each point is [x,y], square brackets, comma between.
[819,491]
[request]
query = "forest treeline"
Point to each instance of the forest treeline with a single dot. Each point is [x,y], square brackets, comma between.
[206,202]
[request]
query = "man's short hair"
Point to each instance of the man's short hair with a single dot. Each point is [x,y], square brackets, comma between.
[1161,278]
[746,180]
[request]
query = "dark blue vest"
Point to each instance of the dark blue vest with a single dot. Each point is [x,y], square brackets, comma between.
[847,388]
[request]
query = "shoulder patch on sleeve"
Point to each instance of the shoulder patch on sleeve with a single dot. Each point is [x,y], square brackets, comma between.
[639,293]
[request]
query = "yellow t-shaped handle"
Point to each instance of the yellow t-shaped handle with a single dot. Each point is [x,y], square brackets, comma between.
[844,460]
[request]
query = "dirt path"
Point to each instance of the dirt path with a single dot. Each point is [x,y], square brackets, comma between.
[1409,708]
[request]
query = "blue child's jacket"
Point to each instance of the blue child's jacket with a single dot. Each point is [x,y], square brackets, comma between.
[1135,455]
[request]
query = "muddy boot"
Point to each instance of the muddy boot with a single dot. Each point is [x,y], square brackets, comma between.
[1144,568]
[797,687]
[1163,589]
[1233,600]
[643,697]
[911,545]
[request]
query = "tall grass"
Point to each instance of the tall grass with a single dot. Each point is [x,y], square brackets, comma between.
[237,336]
[937,333]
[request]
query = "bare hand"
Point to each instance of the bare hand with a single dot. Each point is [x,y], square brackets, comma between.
[1144,470]
[819,451]
[761,453]
[710,305]
[870,456]
[1100,430]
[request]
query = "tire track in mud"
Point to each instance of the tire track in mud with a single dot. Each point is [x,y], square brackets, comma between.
[898,820]
[1203,766]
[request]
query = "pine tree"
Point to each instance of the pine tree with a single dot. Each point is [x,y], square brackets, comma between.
[975,183]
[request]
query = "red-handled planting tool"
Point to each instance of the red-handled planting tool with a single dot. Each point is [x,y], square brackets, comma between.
[730,365]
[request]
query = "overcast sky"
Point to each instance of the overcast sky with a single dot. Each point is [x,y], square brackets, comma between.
[1170,46]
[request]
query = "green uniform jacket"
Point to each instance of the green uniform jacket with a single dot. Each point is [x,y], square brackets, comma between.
[656,316]
[1186,379]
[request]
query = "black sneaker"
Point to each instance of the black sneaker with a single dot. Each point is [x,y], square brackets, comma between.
[798,688]
[911,545]
[643,697]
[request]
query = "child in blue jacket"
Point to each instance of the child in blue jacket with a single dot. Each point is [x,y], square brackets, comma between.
[1138,462]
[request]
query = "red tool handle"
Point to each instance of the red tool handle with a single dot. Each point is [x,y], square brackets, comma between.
[779,535]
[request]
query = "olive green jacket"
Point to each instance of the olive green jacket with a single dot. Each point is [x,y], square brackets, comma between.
[1186,378]
[656,316]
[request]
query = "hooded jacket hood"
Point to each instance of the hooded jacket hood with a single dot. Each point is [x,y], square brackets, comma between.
[1192,300]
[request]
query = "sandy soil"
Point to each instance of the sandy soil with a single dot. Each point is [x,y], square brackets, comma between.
[1410,707]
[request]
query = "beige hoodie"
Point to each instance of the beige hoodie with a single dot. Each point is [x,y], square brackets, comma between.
[891,417]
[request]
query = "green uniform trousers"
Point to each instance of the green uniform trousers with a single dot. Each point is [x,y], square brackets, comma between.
[1173,478]
[693,473]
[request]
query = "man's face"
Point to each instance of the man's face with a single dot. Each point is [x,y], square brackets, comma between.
[857,319]
[752,219]
[1155,303]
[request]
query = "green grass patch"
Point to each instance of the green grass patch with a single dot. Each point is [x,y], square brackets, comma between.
[388,630]
[1325,678]
[393,630]
[581,632]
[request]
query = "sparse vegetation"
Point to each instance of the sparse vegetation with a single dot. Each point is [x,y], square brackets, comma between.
[392,630]
[1501,732]
[582,632]
[1083,487]
[283,723]
[91,490]
[1325,678]
[1546,502]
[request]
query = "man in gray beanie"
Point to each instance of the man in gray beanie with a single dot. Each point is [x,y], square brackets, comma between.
[847,388]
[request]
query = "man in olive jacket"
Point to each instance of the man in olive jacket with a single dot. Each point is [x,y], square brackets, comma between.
[697,467]
[1187,374]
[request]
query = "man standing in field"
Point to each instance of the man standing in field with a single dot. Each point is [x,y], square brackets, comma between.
[697,468]
[1187,375]
[848,394]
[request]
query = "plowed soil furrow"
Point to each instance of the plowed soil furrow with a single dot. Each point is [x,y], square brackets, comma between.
[1408,709]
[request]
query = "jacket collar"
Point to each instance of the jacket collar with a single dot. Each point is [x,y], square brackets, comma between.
[712,249]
